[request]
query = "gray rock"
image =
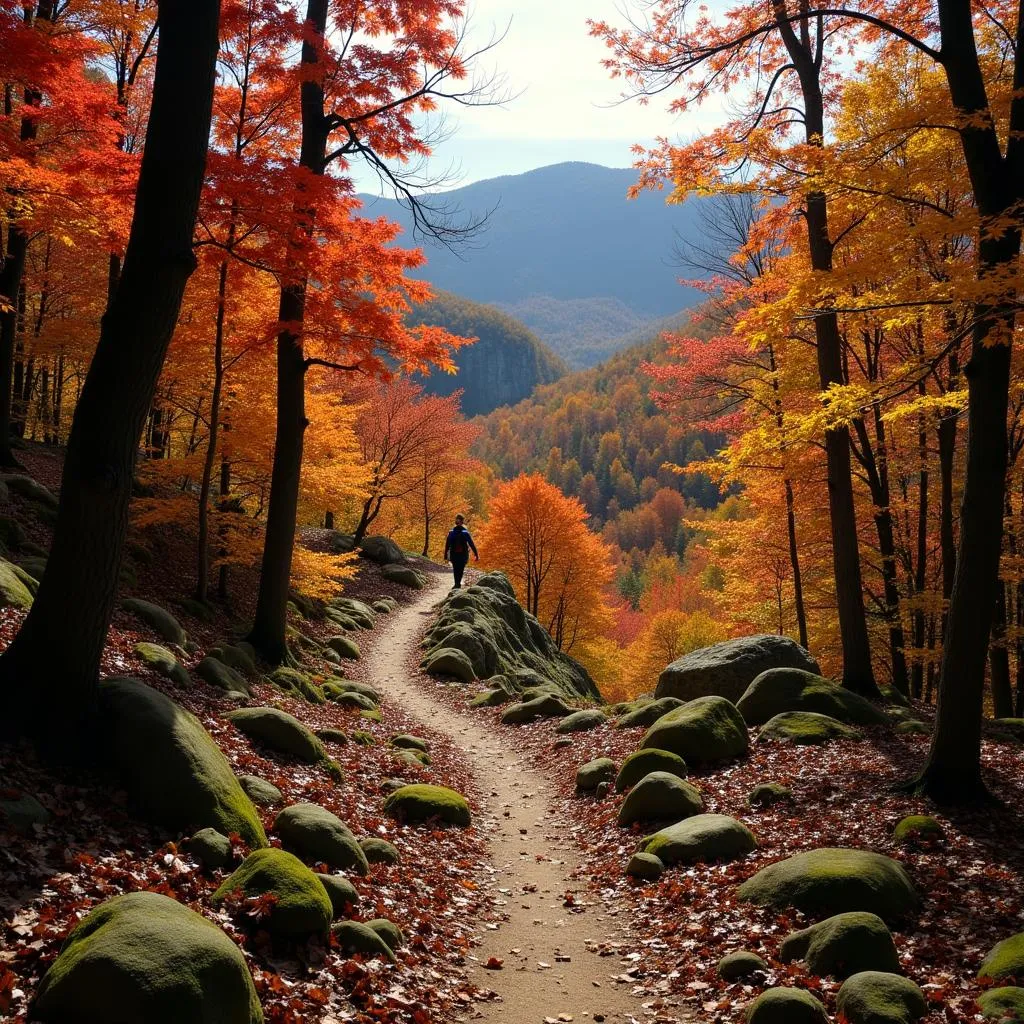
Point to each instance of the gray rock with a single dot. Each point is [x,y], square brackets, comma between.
[660,796]
[645,866]
[161,621]
[582,721]
[163,662]
[728,668]
[31,490]
[223,676]
[593,773]
[789,690]
[382,550]
[706,730]
[642,762]
[767,793]
[344,647]
[404,574]
[647,713]
[843,945]
[704,837]
[546,706]
[448,661]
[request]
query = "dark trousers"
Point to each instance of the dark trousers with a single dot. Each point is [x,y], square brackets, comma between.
[459,567]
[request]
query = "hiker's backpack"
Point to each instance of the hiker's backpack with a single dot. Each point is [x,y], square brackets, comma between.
[459,545]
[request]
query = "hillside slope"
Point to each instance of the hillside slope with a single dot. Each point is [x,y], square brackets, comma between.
[504,366]
[564,232]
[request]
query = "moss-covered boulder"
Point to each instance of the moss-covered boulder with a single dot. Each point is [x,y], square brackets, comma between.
[355,937]
[279,731]
[804,728]
[144,958]
[334,688]
[380,851]
[21,811]
[162,662]
[407,742]
[642,762]
[917,828]
[660,796]
[707,730]
[740,965]
[421,803]
[388,931]
[582,721]
[1005,960]
[767,793]
[1005,1003]
[344,646]
[704,837]
[315,834]
[296,683]
[12,533]
[341,892]
[353,699]
[786,1006]
[490,699]
[382,550]
[843,945]
[590,775]
[447,661]
[359,611]
[647,713]
[912,727]
[646,866]
[301,906]
[790,689]
[173,771]
[14,590]
[548,705]
[259,791]
[726,669]
[160,620]
[30,489]
[829,881]
[875,997]
[404,574]
[235,656]
[222,676]
[894,696]
[212,848]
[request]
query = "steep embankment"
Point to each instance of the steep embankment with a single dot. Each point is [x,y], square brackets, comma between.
[504,365]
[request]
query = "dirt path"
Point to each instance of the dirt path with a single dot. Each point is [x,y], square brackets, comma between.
[549,970]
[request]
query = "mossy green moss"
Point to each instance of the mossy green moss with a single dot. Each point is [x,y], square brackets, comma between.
[739,965]
[805,728]
[843,945]
[582,721]
[341,892]
[593,773]
[301,906]
[786,1006]
[421,802]
[160,620]
[792,689]
[917,828]
[259,791]
[355,937]
[380,851]
[222,676]
[1005,961]
[875,997]
[144,958]
[388,931]
[832,881]
[767,793]
[647,713]
[172,769]
[447,661]
[645,866]
[1002,1003]
[279,731]
[660,796]
[707,730]
[703,837]
[546,705]
[163,662]
[314,833]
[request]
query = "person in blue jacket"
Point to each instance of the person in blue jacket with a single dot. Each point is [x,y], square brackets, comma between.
[457,547]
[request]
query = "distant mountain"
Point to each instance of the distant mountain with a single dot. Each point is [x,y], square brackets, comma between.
[564,233]
[503,367]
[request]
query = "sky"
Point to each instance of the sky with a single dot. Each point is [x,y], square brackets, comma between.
[564,104]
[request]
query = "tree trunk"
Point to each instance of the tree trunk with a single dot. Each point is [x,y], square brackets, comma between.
[269,624]
[55,683]
[947,454]
[225,491]
[999,659]
[794,561]
[952,773]
[921,566]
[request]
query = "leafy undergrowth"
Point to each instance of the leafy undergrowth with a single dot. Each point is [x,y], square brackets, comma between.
[972,880]
[94,849]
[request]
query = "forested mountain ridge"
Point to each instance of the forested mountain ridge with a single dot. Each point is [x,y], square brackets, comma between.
[565,237]
[503,366]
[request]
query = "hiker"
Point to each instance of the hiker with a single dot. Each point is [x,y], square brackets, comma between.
[457,547]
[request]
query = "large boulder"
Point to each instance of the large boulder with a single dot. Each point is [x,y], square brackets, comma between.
[314,833]
[804,728]
[728,668]
[645,866]
[160,620]
[648,713]
[843,945]
[704,731]
[828,881]
[704,837]
[143,958]
[786,1006]
[448,661]
[590,775]
[359,611]
[740,965]
[15,591]
[500,639]
[222,676]
[1005,960]
[875,997]
[649,759]
[382,550]
[788,689]
[30,489]
[300,906]
[344,647]
[356,937]
[279,731]
[419,803]
[582,721]
[341,892]
[547,705]
[660,796]
[174,772]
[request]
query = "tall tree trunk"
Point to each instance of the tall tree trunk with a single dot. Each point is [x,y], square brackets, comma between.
[947,455]
[225,491]
[52,686]
[794,561]
[921,564]
[858,674]
[999,659]
[952,773]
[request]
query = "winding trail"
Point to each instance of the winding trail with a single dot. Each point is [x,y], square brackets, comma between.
[550,971]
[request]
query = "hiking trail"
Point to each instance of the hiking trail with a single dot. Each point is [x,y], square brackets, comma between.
[551,970]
